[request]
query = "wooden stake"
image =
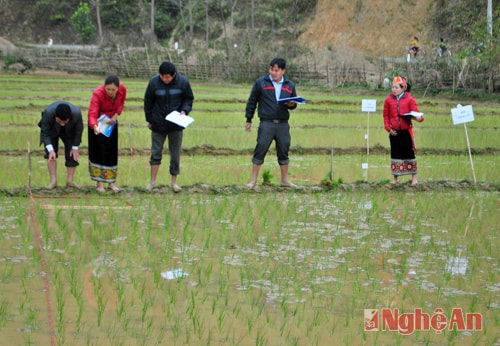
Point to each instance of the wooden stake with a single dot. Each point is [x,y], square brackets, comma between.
[132,152]
[29,166]
[331,165]
[470,154]
[368,135]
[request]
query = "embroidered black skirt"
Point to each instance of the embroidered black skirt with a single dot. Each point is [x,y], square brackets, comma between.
[103,156]
[403,160]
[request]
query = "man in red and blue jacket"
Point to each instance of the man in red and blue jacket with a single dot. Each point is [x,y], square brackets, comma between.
[266,92]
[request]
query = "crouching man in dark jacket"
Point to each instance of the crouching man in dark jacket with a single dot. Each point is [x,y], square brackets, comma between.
[61,120]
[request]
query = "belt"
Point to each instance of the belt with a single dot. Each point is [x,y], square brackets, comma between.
[276,121]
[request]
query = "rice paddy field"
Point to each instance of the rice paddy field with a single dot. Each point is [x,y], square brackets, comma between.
[345,259]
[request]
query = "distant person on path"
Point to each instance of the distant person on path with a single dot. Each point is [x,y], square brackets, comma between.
[108,99]
[414,46]
[166,92]
[61,120]
[264,96]
[443,49]
[50,42]
[402,140]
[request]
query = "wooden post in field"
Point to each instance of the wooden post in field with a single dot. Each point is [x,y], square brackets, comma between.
[367,106]
[470,154]
[130,140]
[331,165]
[367,136]
[29,166]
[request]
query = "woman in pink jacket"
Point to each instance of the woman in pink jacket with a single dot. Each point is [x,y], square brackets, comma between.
[108,99]
[403,150]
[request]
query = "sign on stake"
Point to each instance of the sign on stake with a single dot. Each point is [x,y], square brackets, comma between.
[463,115]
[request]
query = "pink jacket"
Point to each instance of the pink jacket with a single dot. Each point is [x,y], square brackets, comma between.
[101,103]
[405,104]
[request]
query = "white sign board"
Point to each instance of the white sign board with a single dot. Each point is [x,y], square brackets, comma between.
[369,106]
[461,115]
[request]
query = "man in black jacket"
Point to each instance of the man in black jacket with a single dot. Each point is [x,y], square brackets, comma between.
[166,92]
[61,120]
[266,92]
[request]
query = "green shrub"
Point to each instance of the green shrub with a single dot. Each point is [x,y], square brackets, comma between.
[82,23]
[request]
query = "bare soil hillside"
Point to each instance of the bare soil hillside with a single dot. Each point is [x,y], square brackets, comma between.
[372,27]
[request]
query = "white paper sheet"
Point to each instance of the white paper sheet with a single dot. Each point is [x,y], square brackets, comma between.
[179,119]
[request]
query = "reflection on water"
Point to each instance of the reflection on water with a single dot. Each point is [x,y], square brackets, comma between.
[457,265]
[174,274]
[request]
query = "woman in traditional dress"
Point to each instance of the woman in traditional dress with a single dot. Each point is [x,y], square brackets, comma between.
[109,100]
[398,123]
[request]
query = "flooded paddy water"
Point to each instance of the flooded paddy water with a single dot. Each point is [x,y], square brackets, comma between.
[275,267]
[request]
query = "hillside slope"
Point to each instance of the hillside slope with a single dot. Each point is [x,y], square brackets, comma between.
[372,27]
